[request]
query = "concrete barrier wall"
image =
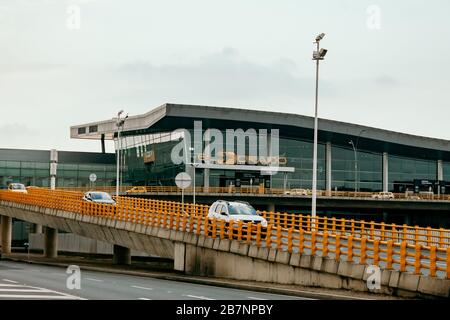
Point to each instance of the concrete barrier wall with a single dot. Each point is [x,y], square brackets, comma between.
[137,237]
[69,242]
[200,255]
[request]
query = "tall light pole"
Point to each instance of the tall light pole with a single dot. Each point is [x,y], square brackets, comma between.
[317,55]
[119,122]
[356,165]
[193,166]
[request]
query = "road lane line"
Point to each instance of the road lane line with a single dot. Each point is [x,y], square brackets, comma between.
[255,298]
[23,290]
[92,279]
[143,288]
[144,299]
[10,285]
[16,296]
[197,297]
[69,296]
[9,281]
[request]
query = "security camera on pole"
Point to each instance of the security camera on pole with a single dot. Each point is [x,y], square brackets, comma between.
[318,55]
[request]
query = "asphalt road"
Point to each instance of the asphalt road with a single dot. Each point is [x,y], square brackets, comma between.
[31,282]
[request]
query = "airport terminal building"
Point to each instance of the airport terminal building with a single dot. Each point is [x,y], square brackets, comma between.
[350,157]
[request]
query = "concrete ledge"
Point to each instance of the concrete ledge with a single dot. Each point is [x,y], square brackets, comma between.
[283,257]
[434,286]
[239,248]
[253,251]
[224,245]
[272,255]
[394,279]
[216,243]
[294,260]
[345,268]
[208,243]
[330,265]
[201,240]
[316,263]
[305,261]
[357,271]
[408,282]
[263,253]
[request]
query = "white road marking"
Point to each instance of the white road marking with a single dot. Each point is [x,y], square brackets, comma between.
[23,290]
[92,279]
[144,299]
[15,296]
[197,297]
[69,296]
[255,298]
[143,288]
[10,285]
[6,280]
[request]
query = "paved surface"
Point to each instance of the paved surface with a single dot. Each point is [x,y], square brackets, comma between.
[161,269]
[19,280]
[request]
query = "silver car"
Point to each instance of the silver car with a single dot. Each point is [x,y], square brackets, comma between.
[98,197]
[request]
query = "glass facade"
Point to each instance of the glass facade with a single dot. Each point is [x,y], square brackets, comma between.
[147,161]
[404,170]
[26,172]
[446,169]
[361,173]
[30,170]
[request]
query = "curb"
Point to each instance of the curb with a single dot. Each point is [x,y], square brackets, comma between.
[218,283]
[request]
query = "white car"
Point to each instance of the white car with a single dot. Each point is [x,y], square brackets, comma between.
[98,197]
[17,187]
[297,192]
[235,211]
[383,195]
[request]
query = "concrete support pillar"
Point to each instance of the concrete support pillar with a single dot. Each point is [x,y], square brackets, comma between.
[179,260]
[408,220]
[122,255]
[271,207]
[51,243]
[328,168]
[102,139]
[6,228]
[385,172]
[206,180]
[440,171]
[37,228]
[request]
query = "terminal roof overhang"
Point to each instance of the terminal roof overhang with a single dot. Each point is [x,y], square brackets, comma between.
[169,117]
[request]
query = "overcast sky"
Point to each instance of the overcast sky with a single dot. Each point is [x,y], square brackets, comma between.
[388,63]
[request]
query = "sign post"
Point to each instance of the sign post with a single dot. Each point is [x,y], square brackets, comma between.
[183,180]
[92,179]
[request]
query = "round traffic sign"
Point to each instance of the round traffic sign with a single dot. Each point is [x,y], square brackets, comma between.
[183,180]
[92,177]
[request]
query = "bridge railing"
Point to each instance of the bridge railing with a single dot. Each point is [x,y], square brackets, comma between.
[256,190]
[425,236]
[386,253]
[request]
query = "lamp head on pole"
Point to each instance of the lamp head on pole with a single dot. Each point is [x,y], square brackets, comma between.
[320,37]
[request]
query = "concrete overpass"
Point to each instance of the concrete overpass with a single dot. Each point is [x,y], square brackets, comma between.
[200,246]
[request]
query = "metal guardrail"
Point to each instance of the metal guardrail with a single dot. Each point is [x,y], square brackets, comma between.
[315,240]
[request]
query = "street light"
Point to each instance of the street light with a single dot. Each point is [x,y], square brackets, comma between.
[318,55]
[356,165]
[193,166]
[119,122]
[355,148]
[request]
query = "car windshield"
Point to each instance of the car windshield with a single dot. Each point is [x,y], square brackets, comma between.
[18,187]
[240,208]
[100,196]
